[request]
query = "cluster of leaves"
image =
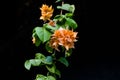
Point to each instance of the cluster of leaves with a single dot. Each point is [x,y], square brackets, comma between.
[43,34]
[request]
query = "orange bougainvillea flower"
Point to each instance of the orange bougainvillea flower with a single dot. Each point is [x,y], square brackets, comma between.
[51,23]
[46,12]
[33,40]
[63,37]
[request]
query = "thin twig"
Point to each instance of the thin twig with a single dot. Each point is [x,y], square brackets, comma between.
[61,9]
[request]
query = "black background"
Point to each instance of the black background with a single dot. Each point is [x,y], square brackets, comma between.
[94,57]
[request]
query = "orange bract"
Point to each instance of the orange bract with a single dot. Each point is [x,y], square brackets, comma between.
[33,40]
[63,37]
[46,12]
[51,23]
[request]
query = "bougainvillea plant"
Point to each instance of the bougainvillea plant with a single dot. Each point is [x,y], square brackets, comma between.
[57,36]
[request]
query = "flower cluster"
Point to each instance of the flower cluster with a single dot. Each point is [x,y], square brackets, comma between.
[46,12]
[63,37]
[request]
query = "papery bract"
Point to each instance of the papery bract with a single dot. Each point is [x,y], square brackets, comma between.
[63,37]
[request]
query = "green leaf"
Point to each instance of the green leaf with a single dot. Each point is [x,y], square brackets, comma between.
[68,53]
[37,40]
[43,34]
[64,7]
[71,23]
[48,48]
[51,68]
[37,43]
[67,7]
[64,61]
[39,31]
[72,8]
[49,27]
[35,62]
[27,64]
[69,15]
[58,73]
[33,35]
[60,19]
[40,77]
[48,60]
[50,78]
[58,1]
[39,56]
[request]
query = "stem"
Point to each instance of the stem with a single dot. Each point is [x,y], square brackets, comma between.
[61,9]
[67,27]
[54,54]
